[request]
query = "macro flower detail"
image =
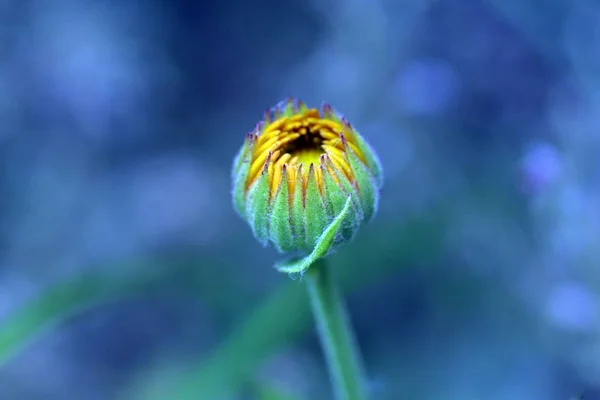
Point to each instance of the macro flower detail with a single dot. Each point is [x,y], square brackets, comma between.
[304,180]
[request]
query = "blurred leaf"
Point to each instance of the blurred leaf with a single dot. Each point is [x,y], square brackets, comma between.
[62,301]
[272,393]
[282,317]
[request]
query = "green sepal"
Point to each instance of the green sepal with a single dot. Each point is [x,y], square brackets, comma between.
[373,163]
[240,157]
[337,193]
[365,182]
[259,206]
[372,160]
[239,174]
[280,227]
[289,108]
[315,215]
[297,215]
[322,247]
[240,170]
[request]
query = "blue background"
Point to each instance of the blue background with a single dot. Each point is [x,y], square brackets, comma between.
[120,121]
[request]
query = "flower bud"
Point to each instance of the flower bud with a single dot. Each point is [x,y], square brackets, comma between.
[304,180]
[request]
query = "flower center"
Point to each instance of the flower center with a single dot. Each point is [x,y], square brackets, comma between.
[306,148]
[300,139]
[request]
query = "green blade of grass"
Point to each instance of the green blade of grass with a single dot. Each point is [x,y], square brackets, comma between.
[61,301]
[272,393]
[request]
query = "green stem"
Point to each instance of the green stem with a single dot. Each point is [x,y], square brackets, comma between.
[336,335]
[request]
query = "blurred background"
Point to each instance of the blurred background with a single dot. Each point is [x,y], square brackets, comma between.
[478,279]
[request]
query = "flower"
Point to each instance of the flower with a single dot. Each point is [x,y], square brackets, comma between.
[299,171]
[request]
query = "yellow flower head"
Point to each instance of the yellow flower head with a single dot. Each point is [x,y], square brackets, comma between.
[298,170]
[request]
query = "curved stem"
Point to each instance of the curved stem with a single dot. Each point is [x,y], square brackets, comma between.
[336,334]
